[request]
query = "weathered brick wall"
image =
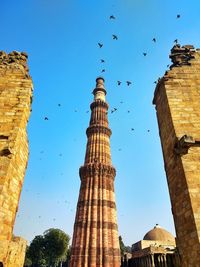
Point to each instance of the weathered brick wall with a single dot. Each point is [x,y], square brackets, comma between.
[16,252]
[15,102]
[177,100]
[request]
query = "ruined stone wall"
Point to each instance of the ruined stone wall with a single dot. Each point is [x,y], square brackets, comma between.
[16,252]
[177,100]
[15,102]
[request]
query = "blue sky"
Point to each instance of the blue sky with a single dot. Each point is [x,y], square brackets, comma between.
[61,38]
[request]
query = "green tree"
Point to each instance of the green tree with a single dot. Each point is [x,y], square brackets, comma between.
[36,252]
[56,246]
[122,246]
[27,261]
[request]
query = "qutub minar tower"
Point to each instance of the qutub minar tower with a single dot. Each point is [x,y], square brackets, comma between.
[95,239]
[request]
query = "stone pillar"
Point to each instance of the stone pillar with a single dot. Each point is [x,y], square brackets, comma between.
[95,239]
[164,260]
[152,260]
[177,98]
[149,261]
[15,103]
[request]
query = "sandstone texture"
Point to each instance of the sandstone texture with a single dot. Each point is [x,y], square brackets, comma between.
[95,239]
[15,102]
[177,101]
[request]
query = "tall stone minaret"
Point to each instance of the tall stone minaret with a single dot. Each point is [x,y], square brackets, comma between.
[95,239]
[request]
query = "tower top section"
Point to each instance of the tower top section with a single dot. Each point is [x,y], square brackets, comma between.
[99,92]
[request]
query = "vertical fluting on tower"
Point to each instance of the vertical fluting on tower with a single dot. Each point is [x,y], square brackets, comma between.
[95,239]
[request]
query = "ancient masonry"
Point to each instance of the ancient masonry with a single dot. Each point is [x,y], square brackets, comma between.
[15,102]
[95,239]
[177,100]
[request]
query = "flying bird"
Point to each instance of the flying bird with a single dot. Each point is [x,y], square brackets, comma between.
[144,54]
[59,105]
[132,129]
[115,37]
[176,41]
[103,70]
[119,82]
[46,118]
[112,17]
[154,40]
[178,16]
[113,110]
[102,61]
[128,83]
[100,45]
[148,131]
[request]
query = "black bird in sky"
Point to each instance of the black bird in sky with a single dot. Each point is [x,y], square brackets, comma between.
[132,129]
[148,131]
[59,105]
[46,118]
[176,41]
[154,40]
[155,82]
[115,37]
[113,110]
[112,17]
[103,70]
[128,83]
[102,61]
[144,54]
[178,16]
[100,45]
[119,82]
[128,111]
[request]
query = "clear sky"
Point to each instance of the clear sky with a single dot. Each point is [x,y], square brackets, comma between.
[61,38]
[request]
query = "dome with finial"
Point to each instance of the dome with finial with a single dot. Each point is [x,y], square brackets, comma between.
[159,234]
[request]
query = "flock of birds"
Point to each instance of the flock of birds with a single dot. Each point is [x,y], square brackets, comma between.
[128,83]
[114,37]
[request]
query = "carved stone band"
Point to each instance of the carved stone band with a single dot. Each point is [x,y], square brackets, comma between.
[97,202]
[97,225]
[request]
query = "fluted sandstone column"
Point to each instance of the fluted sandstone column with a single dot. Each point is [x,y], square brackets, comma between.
[95,239]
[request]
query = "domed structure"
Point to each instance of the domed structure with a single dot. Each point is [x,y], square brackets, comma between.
[160,234]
